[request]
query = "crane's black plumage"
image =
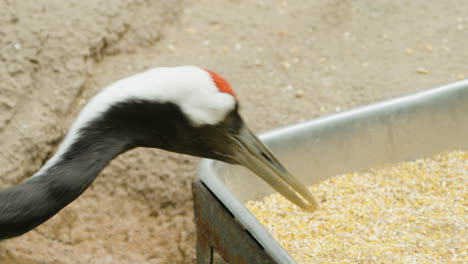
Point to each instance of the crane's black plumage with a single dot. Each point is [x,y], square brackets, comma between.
[126,125]
[121,118]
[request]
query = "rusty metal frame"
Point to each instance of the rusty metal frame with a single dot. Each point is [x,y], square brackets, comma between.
[219,231]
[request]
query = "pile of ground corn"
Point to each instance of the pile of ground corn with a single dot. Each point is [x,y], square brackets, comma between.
[412,212]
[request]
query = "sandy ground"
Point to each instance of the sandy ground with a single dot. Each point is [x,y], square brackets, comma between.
[287,60]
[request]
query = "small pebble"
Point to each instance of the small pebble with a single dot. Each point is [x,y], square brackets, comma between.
[171,47]
[460,76]
[337,109]
[17,46]
[422,70]
[409,51]
[191,30]
[258,63]
[216,27]
[286,65]
[294,50]
[300,93]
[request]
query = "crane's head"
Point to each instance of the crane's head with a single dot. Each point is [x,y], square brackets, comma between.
[193,111]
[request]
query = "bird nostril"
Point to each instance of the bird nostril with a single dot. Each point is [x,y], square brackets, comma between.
[265,156]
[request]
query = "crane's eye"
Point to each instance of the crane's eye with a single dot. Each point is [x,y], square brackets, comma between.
[233,122]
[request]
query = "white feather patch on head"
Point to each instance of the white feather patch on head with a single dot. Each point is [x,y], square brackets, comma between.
[189,87]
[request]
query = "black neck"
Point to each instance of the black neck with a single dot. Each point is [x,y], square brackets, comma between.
[25,206]
[124,126]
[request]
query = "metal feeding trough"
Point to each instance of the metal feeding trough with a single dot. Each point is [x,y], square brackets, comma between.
[404,128]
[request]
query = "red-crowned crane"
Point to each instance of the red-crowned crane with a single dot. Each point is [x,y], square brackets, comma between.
[185,109]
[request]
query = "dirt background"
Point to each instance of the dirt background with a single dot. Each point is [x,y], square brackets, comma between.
[287,60]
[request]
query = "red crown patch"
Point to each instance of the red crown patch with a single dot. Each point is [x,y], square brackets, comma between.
[221,83]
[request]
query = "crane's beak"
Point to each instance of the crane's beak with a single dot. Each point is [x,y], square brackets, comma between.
[254,155]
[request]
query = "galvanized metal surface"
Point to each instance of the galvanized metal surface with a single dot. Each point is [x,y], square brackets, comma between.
[403,128]
[218,230]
